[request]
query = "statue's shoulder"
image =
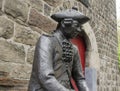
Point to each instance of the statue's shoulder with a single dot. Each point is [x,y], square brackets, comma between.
[47,35]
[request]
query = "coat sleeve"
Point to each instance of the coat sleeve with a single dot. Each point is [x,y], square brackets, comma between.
[77,72]
[44,67]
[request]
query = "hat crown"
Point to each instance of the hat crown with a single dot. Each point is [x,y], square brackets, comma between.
[70,13]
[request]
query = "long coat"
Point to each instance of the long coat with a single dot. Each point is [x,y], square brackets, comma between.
[49,72]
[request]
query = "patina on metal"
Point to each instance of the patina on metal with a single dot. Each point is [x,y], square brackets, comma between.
[56,59]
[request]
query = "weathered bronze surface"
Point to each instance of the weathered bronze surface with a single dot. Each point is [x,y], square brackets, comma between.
[56,59]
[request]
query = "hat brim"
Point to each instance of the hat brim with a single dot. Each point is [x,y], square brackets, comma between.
[58,17]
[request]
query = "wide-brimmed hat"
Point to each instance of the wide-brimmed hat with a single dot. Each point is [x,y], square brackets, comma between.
[70,13]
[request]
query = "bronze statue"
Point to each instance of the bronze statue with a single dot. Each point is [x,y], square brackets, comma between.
[56,59]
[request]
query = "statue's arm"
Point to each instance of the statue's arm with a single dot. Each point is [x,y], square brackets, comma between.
[77,72]
[45,73]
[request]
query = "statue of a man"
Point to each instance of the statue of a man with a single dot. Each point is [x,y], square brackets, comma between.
[56,59]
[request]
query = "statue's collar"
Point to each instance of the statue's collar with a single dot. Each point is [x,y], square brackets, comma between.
[60,37]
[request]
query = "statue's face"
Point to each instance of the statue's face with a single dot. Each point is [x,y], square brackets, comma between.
[71,28]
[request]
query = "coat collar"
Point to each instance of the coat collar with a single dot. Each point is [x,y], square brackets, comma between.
[60,37]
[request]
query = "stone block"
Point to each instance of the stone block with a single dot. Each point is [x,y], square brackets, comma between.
[10,52]
[16,71]
[54,3]
[80,5]
[10,82]
[1,4]
[6,28]
[36,29]
[56,10]
[3,74]
[37,4]
[47,9]
[17,9]
[1,12]
[66,4]
[13,88]
[25,35]
[41,21]
[21,71]
[30,55]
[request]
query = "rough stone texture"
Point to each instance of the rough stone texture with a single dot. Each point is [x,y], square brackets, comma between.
[16,88]
[14,74]
[16,60]
[104,26]
[25,35]
[1,4]
[38,4]
[3,74]
[36,29]
[66,5]
[41,21]
[30,55]
[6,28]
[1,12]
[11,82]
[1,7]
[47,9]
[21,71]
[11,52]
[54,3]
[17,9]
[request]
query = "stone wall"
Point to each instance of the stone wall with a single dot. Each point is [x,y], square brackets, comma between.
[21,24]
[104,25]
[23,21]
